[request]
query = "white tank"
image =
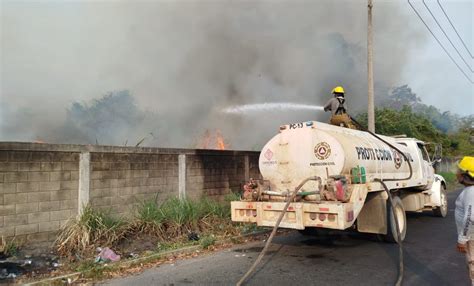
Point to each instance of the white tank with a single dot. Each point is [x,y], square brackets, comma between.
[313,148]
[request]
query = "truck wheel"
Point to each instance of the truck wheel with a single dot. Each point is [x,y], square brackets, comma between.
[442,210]
[391,235]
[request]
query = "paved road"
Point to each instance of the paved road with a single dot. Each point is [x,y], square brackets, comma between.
[294,259]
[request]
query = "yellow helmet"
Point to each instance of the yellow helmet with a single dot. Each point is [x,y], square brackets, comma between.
[338,89]
[467,165]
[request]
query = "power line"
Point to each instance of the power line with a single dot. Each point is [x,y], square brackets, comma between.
[455,30]
[446,51]
[447,37]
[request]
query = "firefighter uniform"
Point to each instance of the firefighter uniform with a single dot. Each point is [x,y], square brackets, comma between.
[464,213]
[339,115]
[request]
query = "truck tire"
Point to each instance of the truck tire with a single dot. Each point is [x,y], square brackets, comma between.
[391,235]
[442,210]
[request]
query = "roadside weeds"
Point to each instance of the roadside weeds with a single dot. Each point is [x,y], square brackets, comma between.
[92,272]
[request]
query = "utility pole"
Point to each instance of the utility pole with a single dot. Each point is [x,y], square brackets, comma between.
[370,72]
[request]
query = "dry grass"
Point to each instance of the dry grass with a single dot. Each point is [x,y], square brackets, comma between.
[8,248]
[92,228]
[169,222]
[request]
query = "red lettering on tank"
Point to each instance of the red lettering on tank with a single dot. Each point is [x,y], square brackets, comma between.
[324,209]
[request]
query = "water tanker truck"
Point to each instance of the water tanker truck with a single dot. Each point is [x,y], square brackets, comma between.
[344,192]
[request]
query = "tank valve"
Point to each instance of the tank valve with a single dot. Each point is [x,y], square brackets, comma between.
[250,190]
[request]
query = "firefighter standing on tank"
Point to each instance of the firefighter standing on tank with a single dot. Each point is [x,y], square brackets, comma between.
[339,115]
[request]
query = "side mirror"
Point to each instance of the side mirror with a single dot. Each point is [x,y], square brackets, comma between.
[436,151]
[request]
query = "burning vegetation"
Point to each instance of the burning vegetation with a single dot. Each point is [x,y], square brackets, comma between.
[213,140]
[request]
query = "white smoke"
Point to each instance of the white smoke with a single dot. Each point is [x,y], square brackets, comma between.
[185,61]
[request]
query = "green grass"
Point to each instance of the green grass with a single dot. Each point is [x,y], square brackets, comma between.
[99,221]
[178,217]
[92,270]
[181,214]
[207,241]
[209,207]
[166,246]
[86,265]
[251,228]
[149,218]
[11,248]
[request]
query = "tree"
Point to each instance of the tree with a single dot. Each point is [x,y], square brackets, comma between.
[112,119]
[418,125]
[403,96]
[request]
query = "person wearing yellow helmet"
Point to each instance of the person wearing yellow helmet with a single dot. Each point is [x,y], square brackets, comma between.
[464,212]
[339,114]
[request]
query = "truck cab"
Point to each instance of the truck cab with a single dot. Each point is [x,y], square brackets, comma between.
[424,172]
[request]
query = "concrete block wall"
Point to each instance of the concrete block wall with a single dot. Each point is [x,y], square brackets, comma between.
[118,182]
[214,176]
[38,192]
[43,185]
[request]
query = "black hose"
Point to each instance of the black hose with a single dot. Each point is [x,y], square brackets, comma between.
[390,145]
[277,224]
[381,181]
[399,237]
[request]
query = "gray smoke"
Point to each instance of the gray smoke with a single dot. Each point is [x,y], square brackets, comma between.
[183,62]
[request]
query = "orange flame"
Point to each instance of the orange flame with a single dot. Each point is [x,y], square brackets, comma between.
[220,140]
[213,140]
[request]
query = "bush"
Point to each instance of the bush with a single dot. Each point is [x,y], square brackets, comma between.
[413,123]
[218,209]
[449,177]
[209,207]
[181,215]
[207,241]
[149,218]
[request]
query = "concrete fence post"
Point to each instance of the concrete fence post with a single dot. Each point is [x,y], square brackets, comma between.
[182,176]
[246,168]
[84,181]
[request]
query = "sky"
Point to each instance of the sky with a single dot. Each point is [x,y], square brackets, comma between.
[184,57]
[431,73]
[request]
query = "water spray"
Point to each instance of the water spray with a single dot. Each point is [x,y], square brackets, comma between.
[273,106]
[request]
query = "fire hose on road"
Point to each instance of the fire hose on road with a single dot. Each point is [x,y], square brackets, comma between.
[381,181]
[275,228]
